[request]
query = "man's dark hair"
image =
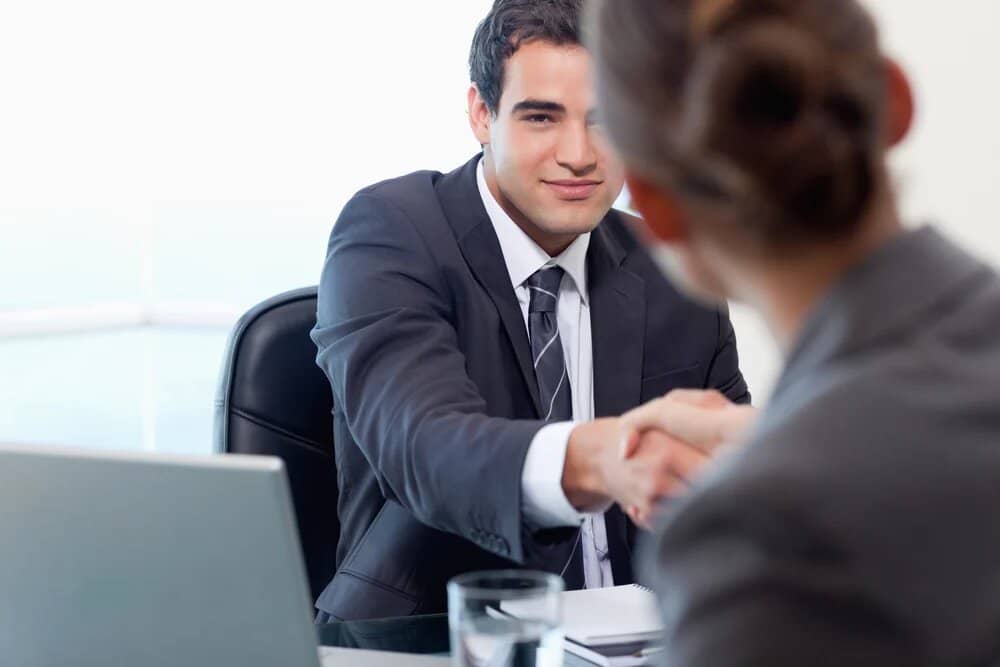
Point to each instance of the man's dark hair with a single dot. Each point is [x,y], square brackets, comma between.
[510,24]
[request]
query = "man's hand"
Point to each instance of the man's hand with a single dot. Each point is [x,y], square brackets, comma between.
[650,453]
[658,467]
[592,445]
[595,472]
[704,419]
[693,424]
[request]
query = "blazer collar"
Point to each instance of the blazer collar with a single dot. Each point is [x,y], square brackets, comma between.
[617,321]
[464,209]
[888,292]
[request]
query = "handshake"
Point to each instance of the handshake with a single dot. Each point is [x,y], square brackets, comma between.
[651,453]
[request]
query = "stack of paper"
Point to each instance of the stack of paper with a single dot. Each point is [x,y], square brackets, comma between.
[613,627]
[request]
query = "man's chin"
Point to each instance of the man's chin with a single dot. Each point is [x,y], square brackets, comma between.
[575,224]
[571,232]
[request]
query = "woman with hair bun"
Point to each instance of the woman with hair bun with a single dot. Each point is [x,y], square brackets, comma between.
[856,523]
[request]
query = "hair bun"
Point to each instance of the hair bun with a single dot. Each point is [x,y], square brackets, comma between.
[764,97]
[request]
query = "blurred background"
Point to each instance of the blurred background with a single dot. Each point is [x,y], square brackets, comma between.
[165,166]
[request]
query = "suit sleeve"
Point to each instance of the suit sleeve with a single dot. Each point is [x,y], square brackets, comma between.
[724,372]
[743,583]
[386,343]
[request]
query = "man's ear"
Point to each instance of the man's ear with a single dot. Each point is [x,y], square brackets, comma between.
[659,210]
[479,116]
[899,103]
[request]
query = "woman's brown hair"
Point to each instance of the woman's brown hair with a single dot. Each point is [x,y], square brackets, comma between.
[773,108]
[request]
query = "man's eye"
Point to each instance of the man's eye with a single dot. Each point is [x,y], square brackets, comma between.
[539,118]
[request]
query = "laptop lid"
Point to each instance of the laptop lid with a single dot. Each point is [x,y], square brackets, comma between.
[150,560]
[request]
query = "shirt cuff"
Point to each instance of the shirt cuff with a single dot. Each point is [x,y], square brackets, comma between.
[544,502]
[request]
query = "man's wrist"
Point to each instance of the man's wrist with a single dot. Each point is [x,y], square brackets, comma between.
[544,504]
[583,473]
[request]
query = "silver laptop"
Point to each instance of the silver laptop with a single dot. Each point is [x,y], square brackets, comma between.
[150,561]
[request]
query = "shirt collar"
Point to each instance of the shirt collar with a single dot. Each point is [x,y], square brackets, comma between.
[522,255]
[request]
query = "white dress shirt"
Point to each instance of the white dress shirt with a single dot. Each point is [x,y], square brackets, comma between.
[544,502]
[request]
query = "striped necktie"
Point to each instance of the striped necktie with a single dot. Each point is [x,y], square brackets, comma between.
[546,348]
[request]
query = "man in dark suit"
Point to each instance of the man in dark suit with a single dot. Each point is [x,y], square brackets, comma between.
[474,324]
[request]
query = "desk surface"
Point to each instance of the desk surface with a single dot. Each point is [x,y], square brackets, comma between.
[426,635]
[412,634]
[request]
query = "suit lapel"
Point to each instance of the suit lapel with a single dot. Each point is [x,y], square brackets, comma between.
[618,325]
[482,251]
[478,241]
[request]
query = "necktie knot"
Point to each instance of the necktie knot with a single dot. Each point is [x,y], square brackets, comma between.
[544,287]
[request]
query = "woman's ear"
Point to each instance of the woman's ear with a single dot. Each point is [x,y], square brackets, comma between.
[899,103]
[659,210]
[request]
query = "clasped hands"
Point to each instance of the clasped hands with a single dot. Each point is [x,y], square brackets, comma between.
[651,453]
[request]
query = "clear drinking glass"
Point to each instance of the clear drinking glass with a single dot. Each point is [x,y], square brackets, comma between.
[506,618]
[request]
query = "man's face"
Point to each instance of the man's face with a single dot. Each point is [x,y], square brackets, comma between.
[547,160]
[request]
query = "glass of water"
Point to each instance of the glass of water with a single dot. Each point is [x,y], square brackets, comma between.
[506,618]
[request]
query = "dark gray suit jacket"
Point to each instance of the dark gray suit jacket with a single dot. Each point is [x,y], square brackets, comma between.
[860,524]
[422,338]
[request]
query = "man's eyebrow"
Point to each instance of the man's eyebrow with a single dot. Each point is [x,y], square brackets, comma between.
[538,105]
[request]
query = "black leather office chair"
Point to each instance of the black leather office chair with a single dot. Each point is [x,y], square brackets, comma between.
[273,399]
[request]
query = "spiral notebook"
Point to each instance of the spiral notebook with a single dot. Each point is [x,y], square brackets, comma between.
[615,615]
[608,626]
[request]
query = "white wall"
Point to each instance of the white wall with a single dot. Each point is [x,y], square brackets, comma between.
[301,101]
[948,171]
[172,163]
[190,156]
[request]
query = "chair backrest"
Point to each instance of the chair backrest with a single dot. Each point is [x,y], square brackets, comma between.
[273,399]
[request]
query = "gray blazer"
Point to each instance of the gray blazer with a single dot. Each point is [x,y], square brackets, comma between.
[859,526]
